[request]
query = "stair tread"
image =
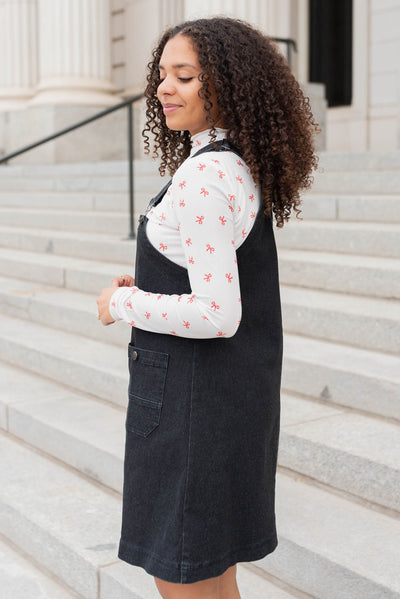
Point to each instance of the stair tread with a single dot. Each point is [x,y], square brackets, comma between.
[60,261]
[51,512]
[379,308]
[105,168]
[53,417]
[328,258]
[339,225]
[64,345]
[59,503]
[346,358]
[57,233]
[103,214]
[339,530]
[21,579]
[359,434]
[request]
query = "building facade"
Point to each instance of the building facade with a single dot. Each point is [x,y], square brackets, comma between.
[61,60]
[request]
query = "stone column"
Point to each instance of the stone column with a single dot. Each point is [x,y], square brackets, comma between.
[74,53]
[145,21]
[18,53]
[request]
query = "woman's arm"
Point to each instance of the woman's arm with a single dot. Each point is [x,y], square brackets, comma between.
[205,212]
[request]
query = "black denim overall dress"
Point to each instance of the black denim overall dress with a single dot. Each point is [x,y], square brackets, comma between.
[202,426]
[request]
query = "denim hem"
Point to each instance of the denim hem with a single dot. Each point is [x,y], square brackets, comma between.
[187,573]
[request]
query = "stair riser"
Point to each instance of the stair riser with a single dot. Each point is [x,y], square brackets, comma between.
[118,202]
[33,540]
[83,280]
[369,281]
[368,182]
[382,334]
[117,252]
[69,319]
[83,377]
[111,224]
[383,209]
[342,470]
[91,461]
[367,480]
[371,243]
[319,576]
[335,386]
[348,208]
[358,330]
[79,184]
[115,168]
[60,519]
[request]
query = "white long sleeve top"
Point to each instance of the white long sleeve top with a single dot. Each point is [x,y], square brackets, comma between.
[204,217]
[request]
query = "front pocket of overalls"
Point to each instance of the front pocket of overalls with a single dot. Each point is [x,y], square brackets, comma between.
[148,371]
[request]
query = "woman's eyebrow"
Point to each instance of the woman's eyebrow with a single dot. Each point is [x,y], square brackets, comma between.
[178,66]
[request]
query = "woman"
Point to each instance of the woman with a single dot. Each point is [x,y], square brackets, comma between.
[235,131]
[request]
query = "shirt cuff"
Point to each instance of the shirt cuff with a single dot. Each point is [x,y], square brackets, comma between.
[115,301]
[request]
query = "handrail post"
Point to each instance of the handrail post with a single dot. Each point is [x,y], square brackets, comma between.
[131,234]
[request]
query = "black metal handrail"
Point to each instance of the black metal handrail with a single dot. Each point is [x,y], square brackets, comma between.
[290,44]
[126,103]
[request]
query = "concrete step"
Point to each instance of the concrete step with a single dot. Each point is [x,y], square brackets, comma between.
[67,536]
[357,181]
[89,246]
[330,547]
[345,273]
[21,579]
[360,321]
[351,207]
[56,516]
[345,450]
[354,452]
[335,373]
[371,239]
[80,430]
[72,526]
[142,167]
[88,222]
[361,275]
[87,276]
[350,161]
[86,365]
[97,201]
[342,375]
[59,308]
[95,183]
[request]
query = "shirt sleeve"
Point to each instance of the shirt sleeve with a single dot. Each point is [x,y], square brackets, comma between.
[204,207]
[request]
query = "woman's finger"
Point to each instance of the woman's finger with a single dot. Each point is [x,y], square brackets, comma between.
[123,281]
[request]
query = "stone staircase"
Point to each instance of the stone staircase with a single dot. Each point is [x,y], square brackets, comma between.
[63,380]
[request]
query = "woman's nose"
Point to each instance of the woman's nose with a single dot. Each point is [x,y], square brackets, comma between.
[166,86]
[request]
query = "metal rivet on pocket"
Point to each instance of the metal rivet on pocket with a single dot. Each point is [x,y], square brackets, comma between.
[134,355]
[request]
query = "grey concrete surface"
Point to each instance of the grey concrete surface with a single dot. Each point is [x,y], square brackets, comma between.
[353,274]
[341,237]
[20,579]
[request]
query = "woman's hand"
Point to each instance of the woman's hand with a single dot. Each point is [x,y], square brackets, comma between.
[103,301]
[123,281]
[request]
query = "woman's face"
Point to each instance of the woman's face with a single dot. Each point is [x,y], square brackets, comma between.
[178,91]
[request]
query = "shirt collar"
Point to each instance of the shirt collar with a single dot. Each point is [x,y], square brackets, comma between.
[203,139]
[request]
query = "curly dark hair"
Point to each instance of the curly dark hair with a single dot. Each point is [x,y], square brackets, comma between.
[267,116]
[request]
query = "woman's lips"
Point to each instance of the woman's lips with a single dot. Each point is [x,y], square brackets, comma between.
[168,108]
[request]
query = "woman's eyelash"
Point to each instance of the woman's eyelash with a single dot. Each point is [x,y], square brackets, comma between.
[182,79]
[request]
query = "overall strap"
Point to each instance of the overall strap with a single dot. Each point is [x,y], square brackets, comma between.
[222,145]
